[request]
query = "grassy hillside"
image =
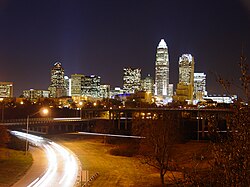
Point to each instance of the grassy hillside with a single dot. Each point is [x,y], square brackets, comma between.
[13,164]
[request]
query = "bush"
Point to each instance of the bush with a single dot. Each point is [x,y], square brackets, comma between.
[16,143]
[121,141]
[127,150]
[4,136]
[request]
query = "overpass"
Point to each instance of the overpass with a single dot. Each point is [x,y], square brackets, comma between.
[118,119]
[48,125]
[189,119]
[112,113]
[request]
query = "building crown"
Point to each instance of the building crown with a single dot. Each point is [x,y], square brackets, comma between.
[162,44]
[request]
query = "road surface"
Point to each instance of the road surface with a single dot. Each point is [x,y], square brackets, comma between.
[53,164]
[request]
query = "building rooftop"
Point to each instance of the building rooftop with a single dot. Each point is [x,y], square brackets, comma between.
[162,44]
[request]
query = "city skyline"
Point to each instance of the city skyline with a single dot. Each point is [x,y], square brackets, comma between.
[102,38]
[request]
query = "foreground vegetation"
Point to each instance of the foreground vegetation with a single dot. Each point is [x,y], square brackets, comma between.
[113,170]
[122,170]
[13,165]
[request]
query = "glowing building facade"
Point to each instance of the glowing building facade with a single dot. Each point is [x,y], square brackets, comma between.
[33,94]
[91,86]
[57,86]
[116,91]
[162,70]
[131,80]
[67,81]
[185,87]
[6,89]
[199,86]
[77,81]
[148,84]
[104,91]
[186,69]
[170,90]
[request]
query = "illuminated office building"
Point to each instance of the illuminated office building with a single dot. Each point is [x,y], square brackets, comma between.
[67,85]
[162,70]
[185,87]
[131,80]
[77,81]
[221,98]
[33,95]
[57,86]
[104,91]
[91,86]
[199,86]
[116,91]
[148,84]
[6,89]
[186,69]
[170,90]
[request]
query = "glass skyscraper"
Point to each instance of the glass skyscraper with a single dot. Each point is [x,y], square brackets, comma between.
[162,70]
[57,85]
[91,86]
[199,85]
[77,81]
[148,84]
[185,87]
[186,69]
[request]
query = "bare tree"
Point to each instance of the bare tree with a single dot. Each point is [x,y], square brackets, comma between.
[231,153]
[156,148]
[245,77]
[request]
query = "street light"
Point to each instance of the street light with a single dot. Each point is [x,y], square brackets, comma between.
[80,103]
[2,103]
[198,124]
[43,111]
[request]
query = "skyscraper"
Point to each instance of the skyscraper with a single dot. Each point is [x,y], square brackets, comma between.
[162,70]
[199,85]
[77,81]
[186,69]
[148,84]
[185,87]
[67,81]
[91,86]
[57,86]
[131,80]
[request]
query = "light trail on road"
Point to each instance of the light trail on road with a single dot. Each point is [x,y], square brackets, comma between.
[111,135]
[62,167]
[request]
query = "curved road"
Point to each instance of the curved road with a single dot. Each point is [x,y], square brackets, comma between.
[53,164]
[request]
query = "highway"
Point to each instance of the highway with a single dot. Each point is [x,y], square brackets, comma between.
[62,166]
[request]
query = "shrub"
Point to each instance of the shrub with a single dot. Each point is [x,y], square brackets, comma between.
[16,143]
[127,150]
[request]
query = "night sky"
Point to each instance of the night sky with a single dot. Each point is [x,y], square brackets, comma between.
[101,37]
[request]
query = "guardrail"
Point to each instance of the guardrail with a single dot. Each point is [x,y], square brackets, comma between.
[94,177]
[25,120]
[41,120]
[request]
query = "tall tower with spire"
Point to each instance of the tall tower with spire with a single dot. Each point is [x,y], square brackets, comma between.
[162,70]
